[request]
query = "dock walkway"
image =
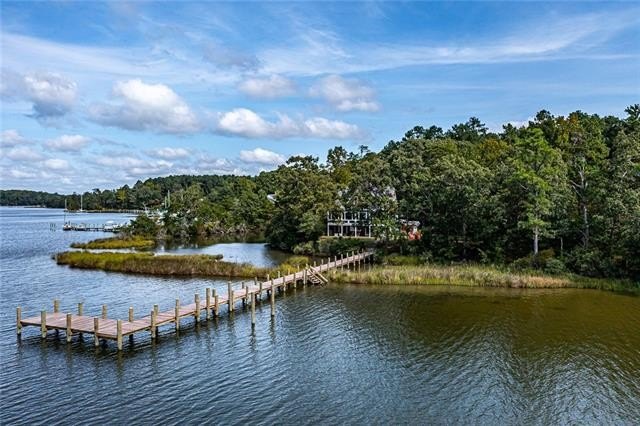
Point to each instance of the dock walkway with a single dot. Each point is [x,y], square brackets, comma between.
[115,329]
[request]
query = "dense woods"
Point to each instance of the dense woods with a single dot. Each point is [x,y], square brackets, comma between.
[560,193]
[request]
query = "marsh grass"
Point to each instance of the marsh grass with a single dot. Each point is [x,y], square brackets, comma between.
[135,242]
[150,264]
[479,276]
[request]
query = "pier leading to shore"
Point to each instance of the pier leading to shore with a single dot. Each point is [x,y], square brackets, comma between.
[105,328]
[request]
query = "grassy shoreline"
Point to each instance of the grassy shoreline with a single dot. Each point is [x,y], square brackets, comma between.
[165,265]
[476,276]
[134,242]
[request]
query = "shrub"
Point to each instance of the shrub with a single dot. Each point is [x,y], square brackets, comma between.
[555,266]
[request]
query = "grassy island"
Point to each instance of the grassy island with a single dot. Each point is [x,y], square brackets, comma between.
[478,276]
[135,242]
[150,264]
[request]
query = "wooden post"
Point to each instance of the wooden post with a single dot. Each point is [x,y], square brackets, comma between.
[196,314]
[80,309]
[177,314]
[246,295]
[119,334]
[256,284]
[43,324]
[216,305]
[208,302]
[304,277]
[273,302]
[56,306]
[130,313]
[104,311]
[253,311]
[96,327]
[229,296]
[154,326]
[231,301]
[156,310]
[18,320]
[269,279]
[68,330]
[260,289]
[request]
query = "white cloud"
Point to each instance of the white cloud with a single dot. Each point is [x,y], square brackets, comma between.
[11,138]
[314,52]
[169,153]
[345,94]
[56,164]
[273,86]
[262,156]
[246,123]
[22,153]
[68,143]
[154,107]
[51,95]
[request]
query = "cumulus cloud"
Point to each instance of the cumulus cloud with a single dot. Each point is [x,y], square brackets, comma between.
[11,138]
[246,123]
[142,106]
[56,164]
[51,95]
[68,143]
[22,154]
[169,153]
[262,156]
[273,86]
[345,94]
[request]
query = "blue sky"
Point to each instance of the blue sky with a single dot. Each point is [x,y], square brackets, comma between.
[102,94]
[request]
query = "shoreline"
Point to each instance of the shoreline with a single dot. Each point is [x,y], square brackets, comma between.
[478,276]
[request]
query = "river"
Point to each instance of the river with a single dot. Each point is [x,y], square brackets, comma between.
[335,354]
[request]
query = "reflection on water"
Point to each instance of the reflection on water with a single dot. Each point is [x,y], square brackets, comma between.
[334,354]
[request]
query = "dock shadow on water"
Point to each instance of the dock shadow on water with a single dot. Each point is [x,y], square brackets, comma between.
[395,355]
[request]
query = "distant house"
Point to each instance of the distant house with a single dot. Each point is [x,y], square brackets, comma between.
[359,224]
[349,224]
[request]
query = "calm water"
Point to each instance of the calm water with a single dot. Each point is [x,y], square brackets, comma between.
[335,354]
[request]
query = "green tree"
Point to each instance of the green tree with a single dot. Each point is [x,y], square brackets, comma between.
[539,178]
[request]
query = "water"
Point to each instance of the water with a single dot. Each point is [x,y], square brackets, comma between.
[334,354]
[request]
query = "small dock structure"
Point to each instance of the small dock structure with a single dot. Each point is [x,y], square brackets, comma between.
[106,227]
[102,327]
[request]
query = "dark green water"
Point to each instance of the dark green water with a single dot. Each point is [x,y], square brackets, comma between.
[334,354]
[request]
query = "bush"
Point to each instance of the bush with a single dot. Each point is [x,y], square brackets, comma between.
[555,266]
[304,248]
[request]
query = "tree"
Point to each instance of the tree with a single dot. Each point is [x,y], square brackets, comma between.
[539,177]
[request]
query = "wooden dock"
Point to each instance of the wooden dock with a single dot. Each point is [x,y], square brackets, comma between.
[116,329]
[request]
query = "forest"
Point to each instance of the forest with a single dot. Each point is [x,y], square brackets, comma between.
[561,193]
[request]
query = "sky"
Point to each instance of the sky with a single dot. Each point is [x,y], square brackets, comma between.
[98,95]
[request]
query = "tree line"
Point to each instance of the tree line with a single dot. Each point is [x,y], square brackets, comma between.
[559,193]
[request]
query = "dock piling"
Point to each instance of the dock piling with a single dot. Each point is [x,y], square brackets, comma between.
[130,313]
[56,306]
[273,301]
[153,329]
[253,312]
[104,311]
[68,330]
[177,314]
[216,304]
[80,309]
[208,303]
[96,327]
[18,320]
[196,313]
[43,324]
[119,334]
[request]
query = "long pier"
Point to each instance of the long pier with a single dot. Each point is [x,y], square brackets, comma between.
[116,329]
